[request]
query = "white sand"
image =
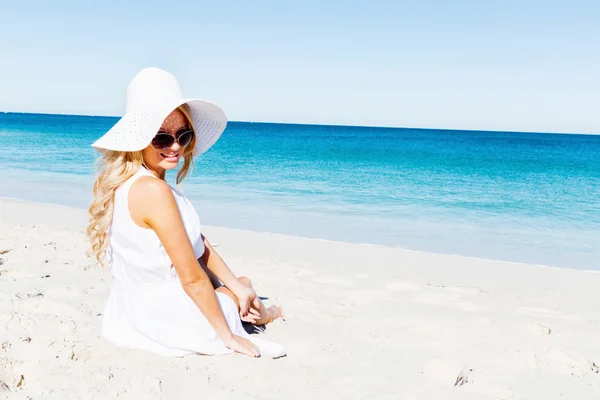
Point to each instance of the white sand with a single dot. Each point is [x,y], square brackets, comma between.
[363,322]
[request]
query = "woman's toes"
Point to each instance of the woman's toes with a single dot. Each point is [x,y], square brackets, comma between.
[276,312]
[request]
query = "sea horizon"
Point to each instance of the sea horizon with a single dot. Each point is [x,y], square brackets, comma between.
[333,125]
[510,196]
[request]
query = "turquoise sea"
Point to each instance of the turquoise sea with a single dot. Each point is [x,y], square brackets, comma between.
[529,197]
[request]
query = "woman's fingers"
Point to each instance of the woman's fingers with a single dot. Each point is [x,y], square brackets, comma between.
[242,346]
[254,312]
[244,308]
[251,318]
[247,347]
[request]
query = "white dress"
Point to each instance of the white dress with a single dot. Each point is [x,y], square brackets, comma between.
[147,307]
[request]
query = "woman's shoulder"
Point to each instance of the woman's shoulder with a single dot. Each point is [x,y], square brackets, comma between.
[149,189]
[148,199]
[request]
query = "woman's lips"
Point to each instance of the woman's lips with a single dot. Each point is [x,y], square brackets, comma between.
[170,156]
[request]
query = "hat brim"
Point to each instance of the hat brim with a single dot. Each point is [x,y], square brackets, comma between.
[209,123]
[135,130]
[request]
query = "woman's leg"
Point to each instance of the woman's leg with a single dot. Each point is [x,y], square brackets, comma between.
[267,315]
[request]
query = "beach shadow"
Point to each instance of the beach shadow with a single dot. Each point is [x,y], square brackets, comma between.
[253,329]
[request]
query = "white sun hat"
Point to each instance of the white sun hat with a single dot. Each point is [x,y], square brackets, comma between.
[152,95]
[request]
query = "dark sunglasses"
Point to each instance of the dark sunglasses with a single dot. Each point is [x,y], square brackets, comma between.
[163,140]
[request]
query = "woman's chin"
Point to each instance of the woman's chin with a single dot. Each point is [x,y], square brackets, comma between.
[168,164]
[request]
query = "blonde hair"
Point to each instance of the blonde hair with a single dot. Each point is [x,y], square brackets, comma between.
[114,169]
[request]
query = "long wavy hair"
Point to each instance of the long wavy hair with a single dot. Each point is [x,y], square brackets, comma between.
[115,168]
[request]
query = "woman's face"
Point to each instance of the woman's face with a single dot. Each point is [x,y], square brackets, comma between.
[161,160]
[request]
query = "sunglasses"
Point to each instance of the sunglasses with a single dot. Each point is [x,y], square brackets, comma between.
[163,140]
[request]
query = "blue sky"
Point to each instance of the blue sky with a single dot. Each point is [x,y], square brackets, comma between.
[497,65]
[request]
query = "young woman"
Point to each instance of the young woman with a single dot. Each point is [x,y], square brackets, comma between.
[167,295]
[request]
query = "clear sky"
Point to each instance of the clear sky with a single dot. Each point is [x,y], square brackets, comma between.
[499,65]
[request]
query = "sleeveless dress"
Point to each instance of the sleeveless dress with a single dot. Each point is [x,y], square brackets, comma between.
[147,307]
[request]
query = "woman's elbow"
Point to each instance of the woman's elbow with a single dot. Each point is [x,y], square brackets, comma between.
[195,285]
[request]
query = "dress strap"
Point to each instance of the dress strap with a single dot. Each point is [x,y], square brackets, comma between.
[144,171]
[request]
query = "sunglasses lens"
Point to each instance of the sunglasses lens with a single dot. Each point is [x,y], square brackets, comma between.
[162,141]
[186,138]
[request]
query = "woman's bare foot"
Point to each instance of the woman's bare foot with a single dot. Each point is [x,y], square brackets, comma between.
[262,315]
[275,312]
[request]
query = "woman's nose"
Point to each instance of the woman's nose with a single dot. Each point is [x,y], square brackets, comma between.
[175,146]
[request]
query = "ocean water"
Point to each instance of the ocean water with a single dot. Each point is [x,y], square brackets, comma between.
[528,197]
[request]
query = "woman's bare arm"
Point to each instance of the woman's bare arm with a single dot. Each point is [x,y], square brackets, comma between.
[217,266]
[246,295]
[152,205]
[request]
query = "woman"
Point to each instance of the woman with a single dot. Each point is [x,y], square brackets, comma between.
[167,295]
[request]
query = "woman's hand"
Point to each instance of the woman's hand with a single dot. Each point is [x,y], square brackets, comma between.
[249,303]
[241,345]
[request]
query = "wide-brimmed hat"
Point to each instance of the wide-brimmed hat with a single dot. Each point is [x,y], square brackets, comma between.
[152,95]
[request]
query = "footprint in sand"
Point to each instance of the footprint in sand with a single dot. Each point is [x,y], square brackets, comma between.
[446,300]
[560,362]
[402,286]
[539,312]
[304,272]
[463,290]
[335,280]
[537,329]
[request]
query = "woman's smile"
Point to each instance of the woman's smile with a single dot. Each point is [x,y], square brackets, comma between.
[171,156]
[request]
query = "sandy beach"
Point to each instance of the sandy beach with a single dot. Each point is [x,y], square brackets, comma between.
[363,321]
